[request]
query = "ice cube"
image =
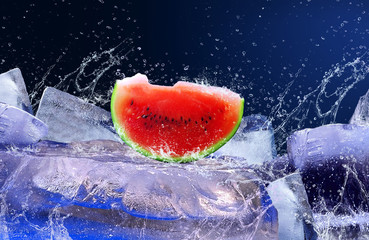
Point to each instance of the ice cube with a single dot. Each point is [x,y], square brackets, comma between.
[71,119]
[333,160]
[253,141]
[18,127]
[294,213]
[361,113]
[13,90]
[129,196]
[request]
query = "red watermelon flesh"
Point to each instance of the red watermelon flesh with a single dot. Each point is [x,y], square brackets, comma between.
[177,124]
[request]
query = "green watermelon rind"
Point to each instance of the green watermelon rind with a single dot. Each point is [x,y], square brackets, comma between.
[183,159]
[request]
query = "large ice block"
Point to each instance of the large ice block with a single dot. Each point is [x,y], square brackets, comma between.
[361,113]
[253,141]
[333,160]
[13,90]
[18,127]
[111,191]
[71,119]
[294,213]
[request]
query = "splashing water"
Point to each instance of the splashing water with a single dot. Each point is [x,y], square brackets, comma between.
[83,78]
[343,77]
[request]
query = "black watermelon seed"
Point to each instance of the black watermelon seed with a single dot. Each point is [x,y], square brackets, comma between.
[189,120]
[181,118]
[151,118]
[209,118]
[166,118]
[206,121]
[196,122]
[131,102]
[185,121]
[144,116]
[156,121]
[205,130]
[147,109]
[202,119]
[160,117]
[154,115]
[172,119]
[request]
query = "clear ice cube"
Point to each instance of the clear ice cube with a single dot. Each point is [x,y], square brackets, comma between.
[361,113]
[294,213]
[333,160]
[106,186]
[18,127]
[253,141]
[71,119]
[13,90]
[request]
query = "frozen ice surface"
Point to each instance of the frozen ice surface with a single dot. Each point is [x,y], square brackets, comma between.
[294,213]
[71,119]
[13,90]
[361,113]
[18,127]
[333,160]
[253,141]
[108,187]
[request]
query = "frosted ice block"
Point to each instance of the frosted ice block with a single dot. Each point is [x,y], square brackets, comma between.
[294,213]
[361,113]
[13,90]
[253,141]
[71,119]
[18,127]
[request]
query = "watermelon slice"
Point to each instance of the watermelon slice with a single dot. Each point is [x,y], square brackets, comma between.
[182,123]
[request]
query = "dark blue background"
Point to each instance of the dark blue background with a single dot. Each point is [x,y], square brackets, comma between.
[254,47]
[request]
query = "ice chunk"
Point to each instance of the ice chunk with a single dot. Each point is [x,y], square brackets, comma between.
[71,119]
[18,127]
[110,190]
[361,114]
[333,161]
[294,214]
[13,90]
[253,141]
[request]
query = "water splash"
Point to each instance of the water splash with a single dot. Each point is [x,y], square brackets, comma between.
[85,78]
[341,78]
